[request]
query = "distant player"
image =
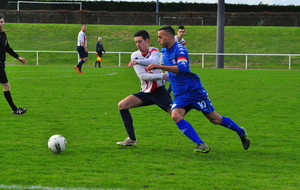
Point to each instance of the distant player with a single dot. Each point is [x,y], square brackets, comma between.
[4,47]
[180,34]
[99,50]
[82,49]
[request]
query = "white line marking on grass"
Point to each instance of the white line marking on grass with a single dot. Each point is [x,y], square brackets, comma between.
[39,71]
[47,188]
[79,75]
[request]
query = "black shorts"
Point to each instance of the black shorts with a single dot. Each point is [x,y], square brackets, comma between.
[160,97]
[3,77]
[99,53]
[81,52]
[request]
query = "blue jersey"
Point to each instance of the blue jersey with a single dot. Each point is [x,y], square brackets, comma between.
[185,81]
[186,86]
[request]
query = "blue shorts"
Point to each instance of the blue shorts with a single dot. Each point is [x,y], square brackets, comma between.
[160,97]
[198,100]
[81,52]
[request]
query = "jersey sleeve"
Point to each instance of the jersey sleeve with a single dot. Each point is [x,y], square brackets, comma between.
[153,58]
[146,75]
[182,59]
[11,51]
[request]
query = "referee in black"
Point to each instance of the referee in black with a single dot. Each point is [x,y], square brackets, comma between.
[4,47]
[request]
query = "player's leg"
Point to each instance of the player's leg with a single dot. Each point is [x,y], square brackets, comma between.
[124,106]
[100,59]
[187,129]
[83,57]
[215,118]
[6,91]
[8,97]
[184,126]
[162,99]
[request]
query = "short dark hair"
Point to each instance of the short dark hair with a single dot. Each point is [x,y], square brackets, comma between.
[1,16]
[142,33]
[168,29]
[181,27]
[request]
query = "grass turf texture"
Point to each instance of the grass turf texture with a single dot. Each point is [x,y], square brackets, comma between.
[83,108]
[119,38]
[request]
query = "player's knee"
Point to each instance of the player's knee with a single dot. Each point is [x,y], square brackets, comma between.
[216,121]
[120,105]
[6,87]
[176,117]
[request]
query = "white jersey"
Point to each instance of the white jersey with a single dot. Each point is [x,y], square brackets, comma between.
[150,80]
[81,38]
[182,41]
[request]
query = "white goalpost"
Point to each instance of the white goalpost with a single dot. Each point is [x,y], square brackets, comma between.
[44,2]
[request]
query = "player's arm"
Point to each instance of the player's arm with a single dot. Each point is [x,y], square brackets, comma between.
[83,42]
[144,75]
[11,52]
[182,66]
[153,58]
[103,48]
[173,68]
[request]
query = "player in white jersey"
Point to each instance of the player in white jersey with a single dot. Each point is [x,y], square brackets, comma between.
[152,91]
[180,34]
[82,49]
[150,80]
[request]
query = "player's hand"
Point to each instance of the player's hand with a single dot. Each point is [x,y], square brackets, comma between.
[153,66]
[22,60]
[132,63]
[165,76]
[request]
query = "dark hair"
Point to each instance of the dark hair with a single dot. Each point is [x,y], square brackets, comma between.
[181,27]
[1,16]
[168,29]
[142,33]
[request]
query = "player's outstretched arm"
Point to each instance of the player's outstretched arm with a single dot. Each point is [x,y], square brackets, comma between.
[23,61]
[173,69]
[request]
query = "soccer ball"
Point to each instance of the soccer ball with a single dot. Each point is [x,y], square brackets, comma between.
[57,143]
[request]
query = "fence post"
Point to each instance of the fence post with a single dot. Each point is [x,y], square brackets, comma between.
[246,64]
[119,59]
[37,58]
[202,60]
[290,60]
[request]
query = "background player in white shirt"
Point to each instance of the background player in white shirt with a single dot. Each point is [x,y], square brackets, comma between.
[152,91]
[82,49]
[180,34]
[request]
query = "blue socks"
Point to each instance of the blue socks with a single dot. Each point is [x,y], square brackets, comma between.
[189,131]
[227,122]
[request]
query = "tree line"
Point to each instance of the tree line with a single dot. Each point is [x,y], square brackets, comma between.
[122,6]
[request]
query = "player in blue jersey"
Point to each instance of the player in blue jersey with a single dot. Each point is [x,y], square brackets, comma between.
[188,91]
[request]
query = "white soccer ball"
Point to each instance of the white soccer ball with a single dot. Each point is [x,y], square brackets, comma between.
[57,143]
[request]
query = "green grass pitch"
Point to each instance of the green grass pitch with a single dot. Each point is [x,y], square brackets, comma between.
[83,108]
